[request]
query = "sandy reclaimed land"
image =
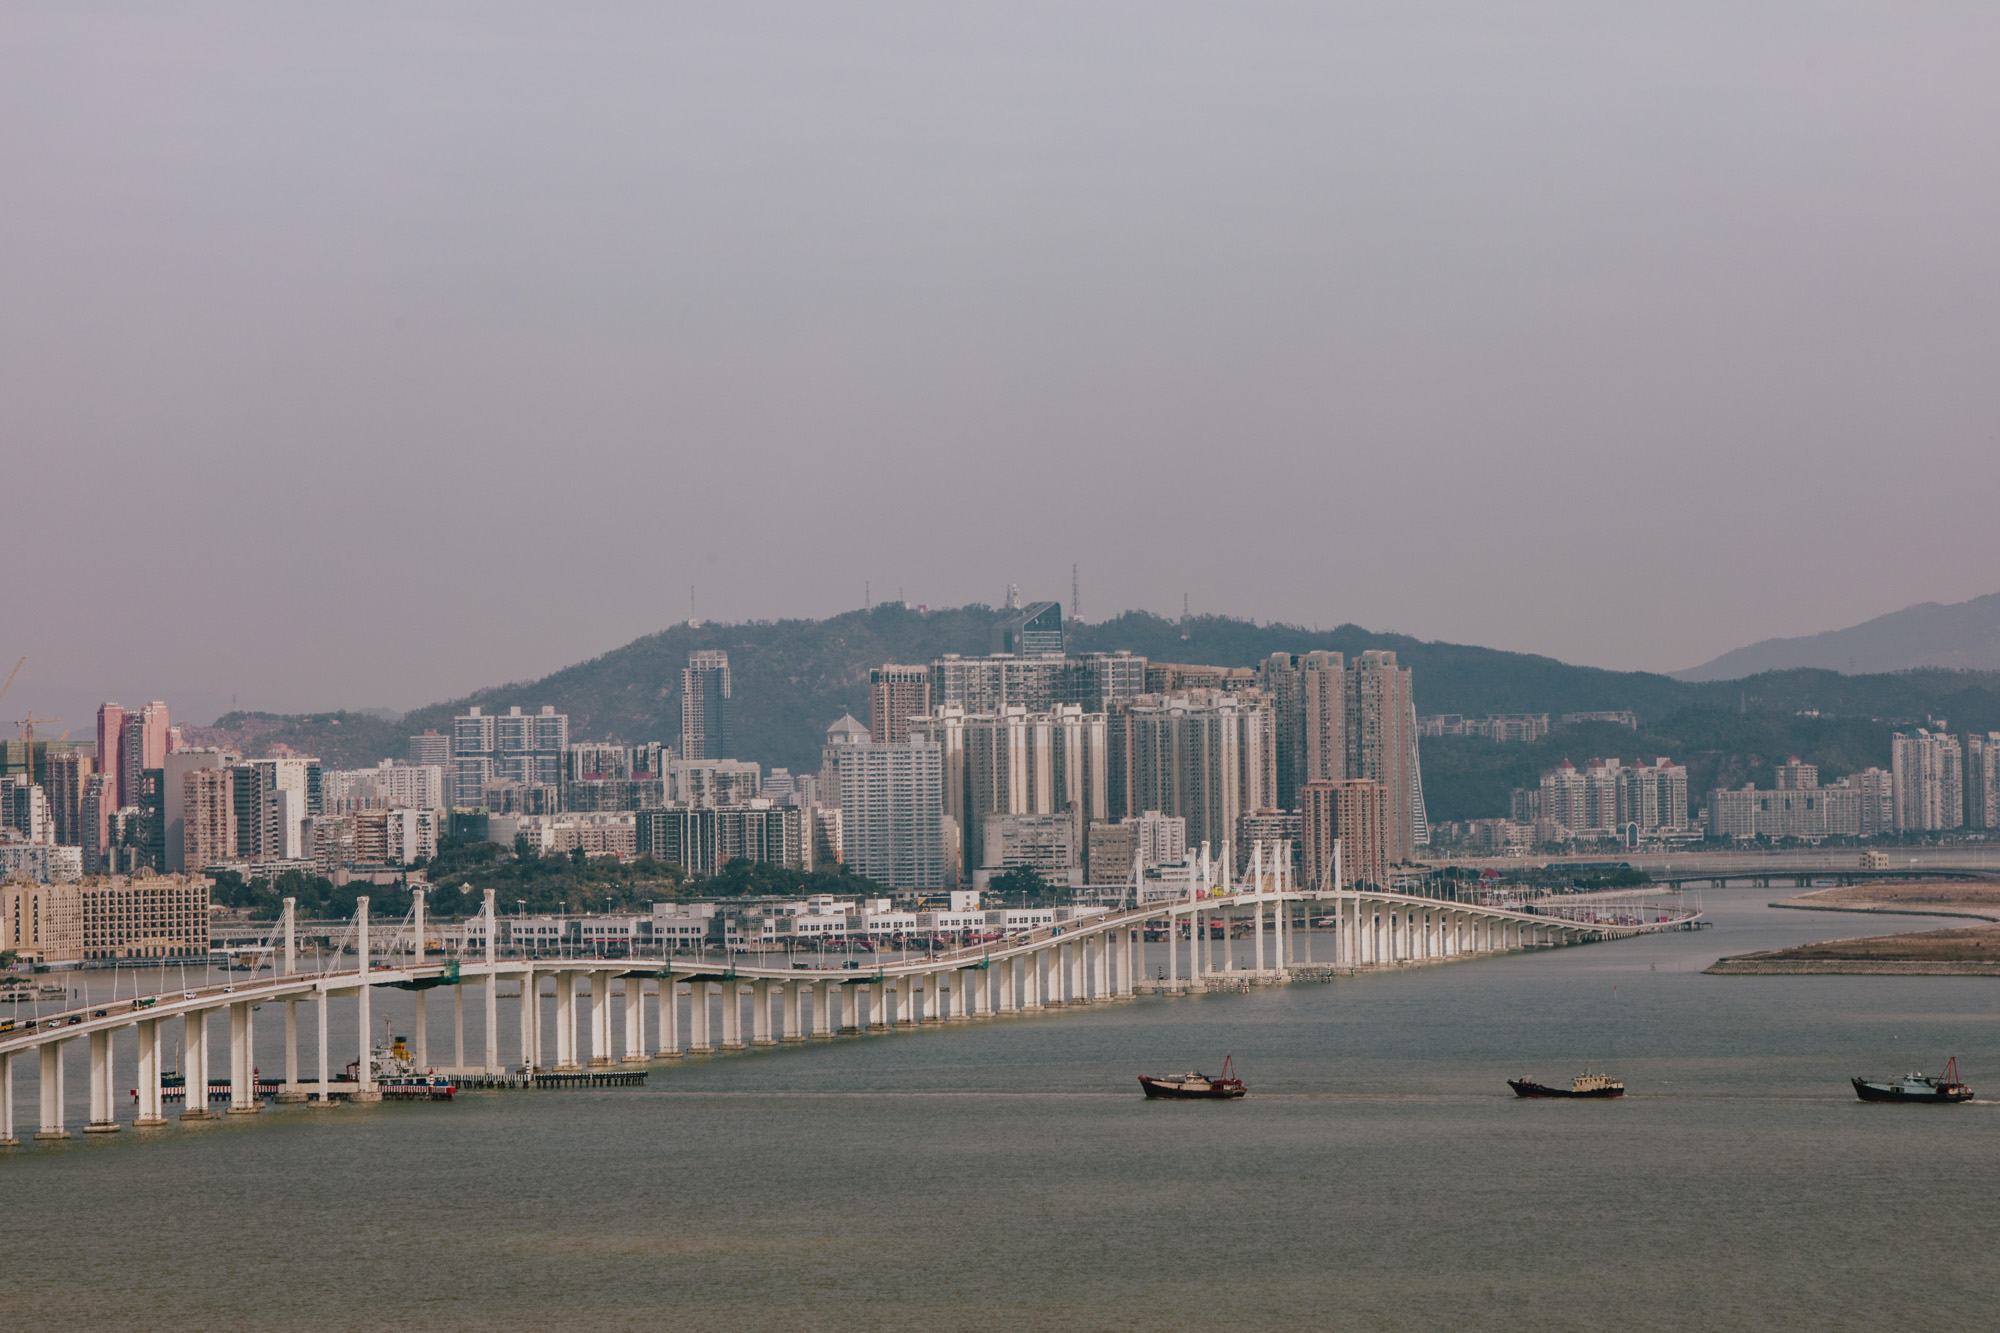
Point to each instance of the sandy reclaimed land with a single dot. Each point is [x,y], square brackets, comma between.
[1964,951]
[1978,898]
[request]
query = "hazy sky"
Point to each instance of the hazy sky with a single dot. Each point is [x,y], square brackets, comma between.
[361,355]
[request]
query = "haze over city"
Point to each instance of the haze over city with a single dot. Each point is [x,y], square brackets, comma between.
[366,357]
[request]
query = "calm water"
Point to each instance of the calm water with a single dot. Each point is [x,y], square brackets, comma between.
[1008,1174]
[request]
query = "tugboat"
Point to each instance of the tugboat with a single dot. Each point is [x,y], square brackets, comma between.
[1193,1086]
[1915,1087]
[1585,1084]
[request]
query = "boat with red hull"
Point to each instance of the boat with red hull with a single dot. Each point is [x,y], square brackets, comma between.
[1915,1087]
[1193,1086]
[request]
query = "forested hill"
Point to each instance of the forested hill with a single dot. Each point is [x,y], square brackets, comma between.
[792,677]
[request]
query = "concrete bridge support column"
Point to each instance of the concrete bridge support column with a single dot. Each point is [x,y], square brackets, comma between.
[838,991]
[1003,1003]
[531,1018]
[1173,952]
[600,1020]
[668,1026]
[1079,976]
[52,1092]
[194,1065]
[635,1020]
[324,1052]
[760,1014]
[1045,977]
[698,1006]
[242,1076]
[1100,967]
[820,995]
[907,1010]
[101,1121]
[867,1006]
[420,1050]
[458,1026]
[7,1139]
[292,1091]
[364,953]
[566,1061]
[1257,929]
[732,1015]
[794,1012]
[149,1078]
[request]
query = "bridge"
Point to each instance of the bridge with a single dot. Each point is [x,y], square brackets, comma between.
[698,1002]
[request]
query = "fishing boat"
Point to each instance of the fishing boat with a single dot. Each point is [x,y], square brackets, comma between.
[1915,1087]
[1585,1084]
[1193,1086]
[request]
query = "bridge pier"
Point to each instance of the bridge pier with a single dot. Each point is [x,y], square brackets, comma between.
[242,1077]
[635,1021]
[149,1074]
[760,1014]
[7,1139]
[839,992]
[102,1120]
[732,1014]
[600,1020]
[319,1004]
[52,1092]
[669,1018]
[194,1066]
[794,1006]
[531,1019]
[458,1026]
[698,1015]
[420,1027]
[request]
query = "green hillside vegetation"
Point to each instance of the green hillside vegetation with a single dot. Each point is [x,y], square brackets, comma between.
[792,678]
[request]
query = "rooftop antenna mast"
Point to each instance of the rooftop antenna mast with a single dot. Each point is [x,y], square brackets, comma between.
[1184,616]
[1075,598]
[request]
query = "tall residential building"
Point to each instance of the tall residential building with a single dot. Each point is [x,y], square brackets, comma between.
[1093,681]
[1203,755]
[892,813]
[1353,812]
[510,747]
[273,798]
[111,748]
[24,810]
[174,769]
[1282,678]
[895,695]
[1018,762]
[64,776]
[705,705]
[207,818]
[1382,744]
[142,744]
[95,813]
[430,748]
[1981,767]
[1323,714]
[1929,781]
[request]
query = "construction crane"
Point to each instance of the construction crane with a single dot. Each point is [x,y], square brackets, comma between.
[27,726]
[11,674]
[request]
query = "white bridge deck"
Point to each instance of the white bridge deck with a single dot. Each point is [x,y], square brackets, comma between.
[1088,961]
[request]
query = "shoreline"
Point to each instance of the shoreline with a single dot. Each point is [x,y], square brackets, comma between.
[1834,967]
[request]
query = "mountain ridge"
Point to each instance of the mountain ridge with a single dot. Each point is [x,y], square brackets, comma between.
[1954,636]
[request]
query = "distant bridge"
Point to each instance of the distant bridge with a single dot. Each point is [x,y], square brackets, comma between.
[1089,961]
